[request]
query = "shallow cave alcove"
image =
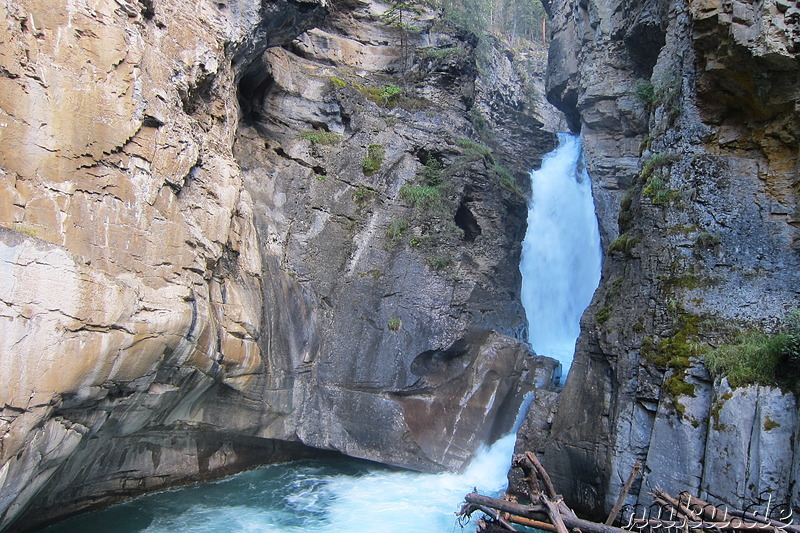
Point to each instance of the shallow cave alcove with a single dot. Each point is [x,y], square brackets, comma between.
[466,221]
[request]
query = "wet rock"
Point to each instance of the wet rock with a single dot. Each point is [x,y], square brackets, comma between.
[687,114]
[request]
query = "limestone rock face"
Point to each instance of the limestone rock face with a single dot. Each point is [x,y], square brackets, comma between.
[688,113]
[358,267]
[209,257]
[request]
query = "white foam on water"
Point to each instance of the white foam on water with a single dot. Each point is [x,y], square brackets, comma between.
[317,499]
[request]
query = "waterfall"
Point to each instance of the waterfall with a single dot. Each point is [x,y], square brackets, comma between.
[561,253]
[560,268]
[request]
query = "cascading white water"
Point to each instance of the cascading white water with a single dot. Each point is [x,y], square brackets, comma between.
[561,253]
[332,496]
[560,268]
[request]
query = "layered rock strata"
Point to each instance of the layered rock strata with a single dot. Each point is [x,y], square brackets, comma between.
[689,116]
[218,249]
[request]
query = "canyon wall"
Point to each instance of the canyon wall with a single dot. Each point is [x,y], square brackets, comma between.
[236,232]
[688,112]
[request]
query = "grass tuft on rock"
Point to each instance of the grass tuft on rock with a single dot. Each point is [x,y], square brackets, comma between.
[474,149]
[374,159]
[758,358]
[421,196]
[321,137]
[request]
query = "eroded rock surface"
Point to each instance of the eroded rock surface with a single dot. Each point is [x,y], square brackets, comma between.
[194,281]
[688,113]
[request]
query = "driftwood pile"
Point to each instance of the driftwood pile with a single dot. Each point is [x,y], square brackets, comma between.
[548,511]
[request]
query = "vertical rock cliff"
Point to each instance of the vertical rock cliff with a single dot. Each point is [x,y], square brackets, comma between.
[689,116]
[235,232]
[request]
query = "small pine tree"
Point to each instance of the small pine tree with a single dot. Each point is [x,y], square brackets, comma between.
[399,15]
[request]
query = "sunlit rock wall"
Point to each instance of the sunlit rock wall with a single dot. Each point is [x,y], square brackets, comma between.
[191,286]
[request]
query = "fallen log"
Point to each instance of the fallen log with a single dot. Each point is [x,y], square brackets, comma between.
[548,484]
[525,464]
[555,515]
[707,511]
[764,520]
[539,512]
[623,494]
[535,511]
[714,513]
[682,510]
[496,516]
[565,510]
[544,526]
[696,510]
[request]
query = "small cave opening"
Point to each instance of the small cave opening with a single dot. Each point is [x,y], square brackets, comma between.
[199,93]
[465,220]
[253,86]
[644,42]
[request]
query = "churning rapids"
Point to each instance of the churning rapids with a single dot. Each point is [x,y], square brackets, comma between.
[560,269]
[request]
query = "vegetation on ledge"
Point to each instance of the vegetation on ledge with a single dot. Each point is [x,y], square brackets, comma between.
[757,358]
[624,243]
[321,137]
[374,159]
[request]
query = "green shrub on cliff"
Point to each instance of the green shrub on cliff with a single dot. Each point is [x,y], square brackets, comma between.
[658,191]
[432,171]
[321,137]
[603,314]
[656,187]
[624,243]
[374,159]
[443,53]
[387,96]
[758,358]
[390,93]
[645,91]
[668,94]
[395,232]
[421,196]
[507,180]
[474,150]
[439,262]
[752,358]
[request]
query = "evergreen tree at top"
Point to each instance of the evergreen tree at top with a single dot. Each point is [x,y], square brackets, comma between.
[508,19]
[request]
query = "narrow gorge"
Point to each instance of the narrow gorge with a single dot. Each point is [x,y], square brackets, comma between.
[241,232]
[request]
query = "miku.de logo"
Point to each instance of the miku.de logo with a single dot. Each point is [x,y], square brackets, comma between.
[688,512]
